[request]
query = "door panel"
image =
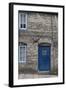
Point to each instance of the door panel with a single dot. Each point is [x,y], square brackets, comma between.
[44,58]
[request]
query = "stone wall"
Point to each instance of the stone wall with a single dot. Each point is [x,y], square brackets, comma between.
[45,28]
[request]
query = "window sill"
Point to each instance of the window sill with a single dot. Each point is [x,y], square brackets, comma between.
[22,29]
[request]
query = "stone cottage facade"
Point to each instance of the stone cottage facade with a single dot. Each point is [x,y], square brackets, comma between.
[38,30]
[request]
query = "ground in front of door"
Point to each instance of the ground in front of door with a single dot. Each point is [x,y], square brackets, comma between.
[28,74]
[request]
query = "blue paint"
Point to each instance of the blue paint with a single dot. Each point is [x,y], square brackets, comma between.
[44,58]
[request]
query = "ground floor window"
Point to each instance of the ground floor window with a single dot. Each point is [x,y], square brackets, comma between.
[22,53]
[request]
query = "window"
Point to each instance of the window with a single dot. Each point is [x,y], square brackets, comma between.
[22,21]
[22,53]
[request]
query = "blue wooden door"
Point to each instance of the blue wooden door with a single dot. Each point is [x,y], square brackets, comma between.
[44,58]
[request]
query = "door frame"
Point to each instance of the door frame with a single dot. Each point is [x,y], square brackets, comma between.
[44,44]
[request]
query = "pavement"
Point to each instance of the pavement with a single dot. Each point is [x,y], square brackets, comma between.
[28,76]
[26,73]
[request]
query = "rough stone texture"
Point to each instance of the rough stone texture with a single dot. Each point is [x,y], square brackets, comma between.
[44,27]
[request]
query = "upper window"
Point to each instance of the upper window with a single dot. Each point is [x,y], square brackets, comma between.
[22,21]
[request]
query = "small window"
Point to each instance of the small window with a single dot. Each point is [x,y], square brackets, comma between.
[22,53]
[22,21]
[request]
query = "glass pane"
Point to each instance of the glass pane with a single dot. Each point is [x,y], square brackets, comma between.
[24,18]
[24,25]
[21,26]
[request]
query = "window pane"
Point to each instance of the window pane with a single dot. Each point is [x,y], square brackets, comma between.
[24,25]
[24,19]
[21,26]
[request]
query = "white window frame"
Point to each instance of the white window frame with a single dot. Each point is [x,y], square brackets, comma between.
[22,61]
[23,22]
